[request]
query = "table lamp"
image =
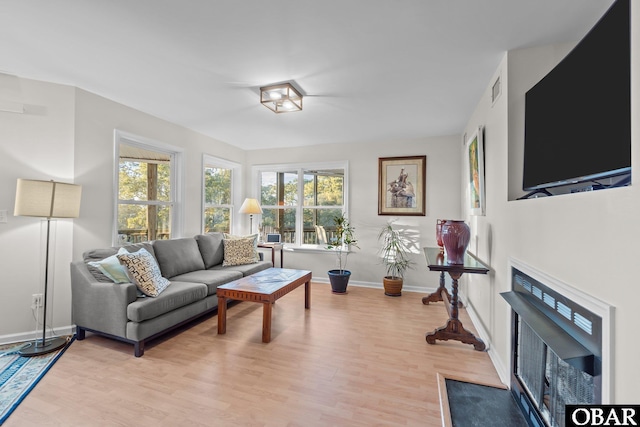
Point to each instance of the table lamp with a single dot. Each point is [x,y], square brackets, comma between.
[251,207]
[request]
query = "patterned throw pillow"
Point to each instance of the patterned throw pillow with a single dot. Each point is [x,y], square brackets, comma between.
[238,252]
[144,272]
[252,237]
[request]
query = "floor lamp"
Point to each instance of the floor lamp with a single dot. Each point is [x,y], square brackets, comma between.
[46,199]
[251,207]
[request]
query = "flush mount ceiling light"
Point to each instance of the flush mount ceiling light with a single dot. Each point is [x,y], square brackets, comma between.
[281,98]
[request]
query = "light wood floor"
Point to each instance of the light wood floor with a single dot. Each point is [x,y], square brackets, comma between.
[351,360]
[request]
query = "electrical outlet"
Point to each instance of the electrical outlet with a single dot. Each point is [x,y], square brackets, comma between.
[3,216]
[37,300]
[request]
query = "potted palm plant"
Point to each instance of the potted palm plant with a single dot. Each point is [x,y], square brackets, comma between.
[340,243]
[395,257]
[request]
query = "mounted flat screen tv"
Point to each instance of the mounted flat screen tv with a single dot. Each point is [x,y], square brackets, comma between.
[578,117]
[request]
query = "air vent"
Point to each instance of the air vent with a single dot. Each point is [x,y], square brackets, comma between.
[496,90]
[583,323]
[564,310]
[549,300]
[536,291]
[579,322]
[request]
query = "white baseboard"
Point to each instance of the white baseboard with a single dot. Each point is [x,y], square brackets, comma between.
[378,285]
[498,363]
[34,335]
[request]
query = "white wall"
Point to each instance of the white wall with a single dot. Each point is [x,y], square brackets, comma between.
[586,240]
[442,197]
[35,145]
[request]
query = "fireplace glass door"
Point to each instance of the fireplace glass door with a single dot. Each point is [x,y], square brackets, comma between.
[550,381]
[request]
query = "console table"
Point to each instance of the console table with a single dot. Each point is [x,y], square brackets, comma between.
[274,247]
[453,330]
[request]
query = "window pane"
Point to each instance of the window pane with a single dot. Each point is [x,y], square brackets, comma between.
[290,188]
[323,188]
[217,219]
[133,180]
[330,190]
[282,221]
[139,180]
[279,188]
[164,182]
[309,186]
[139,223]
[321,218]
[268,189]
[163,222]
[217,186]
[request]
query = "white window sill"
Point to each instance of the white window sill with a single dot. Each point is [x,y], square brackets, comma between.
[311,249]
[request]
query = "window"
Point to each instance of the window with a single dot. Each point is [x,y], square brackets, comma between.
[146,177]
[300,201]
[219,178]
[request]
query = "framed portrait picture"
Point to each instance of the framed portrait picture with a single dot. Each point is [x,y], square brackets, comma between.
[475,163]
[401,185]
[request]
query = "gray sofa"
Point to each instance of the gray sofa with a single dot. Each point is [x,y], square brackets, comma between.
[118,310]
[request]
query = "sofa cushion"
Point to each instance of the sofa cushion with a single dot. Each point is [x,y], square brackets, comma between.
[178,256]
[175,296]
[246,269]
[97,255]
[102,253]
[211,278]
[135,247]
[144,272]
[211,248]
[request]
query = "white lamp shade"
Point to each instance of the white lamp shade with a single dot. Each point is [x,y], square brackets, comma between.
[47,199]
[250,206]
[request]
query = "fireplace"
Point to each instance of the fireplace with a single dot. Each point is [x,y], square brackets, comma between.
[560,346]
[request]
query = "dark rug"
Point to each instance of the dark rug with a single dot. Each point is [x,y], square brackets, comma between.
[476,405]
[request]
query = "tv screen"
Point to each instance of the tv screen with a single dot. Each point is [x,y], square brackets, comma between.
[578,117]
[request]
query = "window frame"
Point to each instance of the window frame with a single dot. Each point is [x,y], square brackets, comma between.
[256,170]
[236,188]
[175,203]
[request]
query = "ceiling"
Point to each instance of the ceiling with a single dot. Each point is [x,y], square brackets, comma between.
[370,70]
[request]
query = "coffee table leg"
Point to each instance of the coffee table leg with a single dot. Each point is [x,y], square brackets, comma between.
[307,294]
[222,315]
[266,322]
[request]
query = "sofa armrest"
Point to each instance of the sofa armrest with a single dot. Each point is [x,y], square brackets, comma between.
[97,305]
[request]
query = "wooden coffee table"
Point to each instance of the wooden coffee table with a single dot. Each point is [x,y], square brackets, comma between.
[264,287]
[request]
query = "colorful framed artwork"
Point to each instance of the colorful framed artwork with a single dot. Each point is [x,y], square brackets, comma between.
[401,185]
[475,163]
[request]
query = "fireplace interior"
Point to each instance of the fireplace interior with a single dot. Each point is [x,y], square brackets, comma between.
[556,351]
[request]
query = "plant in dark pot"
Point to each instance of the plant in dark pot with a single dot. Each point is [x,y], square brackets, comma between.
[394,251]
[340,243]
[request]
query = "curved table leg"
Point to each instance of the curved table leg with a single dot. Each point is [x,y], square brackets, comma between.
[453,330]
[437,295]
